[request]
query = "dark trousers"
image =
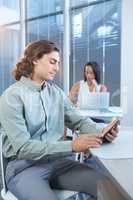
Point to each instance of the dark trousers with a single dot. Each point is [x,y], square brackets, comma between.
[36,181]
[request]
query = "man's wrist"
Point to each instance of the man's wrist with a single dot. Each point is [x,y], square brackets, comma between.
[73,146]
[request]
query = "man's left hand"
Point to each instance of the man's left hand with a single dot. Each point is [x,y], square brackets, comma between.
[112,134]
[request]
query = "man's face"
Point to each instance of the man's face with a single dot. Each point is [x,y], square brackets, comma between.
[46,67]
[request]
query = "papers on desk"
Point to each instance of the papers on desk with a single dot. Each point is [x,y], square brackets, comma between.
[120,148]
[111,112]
[115,109]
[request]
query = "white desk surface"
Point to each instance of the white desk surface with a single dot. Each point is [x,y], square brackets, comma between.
[121,173]
[117,158]
[112,112]
[120,148]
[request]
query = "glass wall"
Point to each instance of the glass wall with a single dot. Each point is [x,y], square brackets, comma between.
[9,40]
[43,7]
[83,2]
[96,37]
[45,21]
[9,11]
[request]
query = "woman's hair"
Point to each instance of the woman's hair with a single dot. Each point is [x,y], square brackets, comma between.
[96,70]
[33,51]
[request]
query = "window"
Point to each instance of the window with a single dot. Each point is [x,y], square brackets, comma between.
[46,26]
[83,2]
[96,37]
[9,40]
[41,7]
[9,10]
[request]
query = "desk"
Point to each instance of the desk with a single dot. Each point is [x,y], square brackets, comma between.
[105,115]
[121,175]
[117,159]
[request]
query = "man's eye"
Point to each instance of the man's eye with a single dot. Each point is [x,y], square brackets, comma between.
[52,62]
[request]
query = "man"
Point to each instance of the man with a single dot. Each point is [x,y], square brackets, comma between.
[32,115]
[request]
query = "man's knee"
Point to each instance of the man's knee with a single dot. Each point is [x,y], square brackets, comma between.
[31,189]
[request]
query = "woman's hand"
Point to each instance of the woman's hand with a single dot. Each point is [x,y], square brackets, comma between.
[103,88]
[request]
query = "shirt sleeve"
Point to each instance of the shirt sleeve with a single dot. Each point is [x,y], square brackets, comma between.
[13,123]
[75,121]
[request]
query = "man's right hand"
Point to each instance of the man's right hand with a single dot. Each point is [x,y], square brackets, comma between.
[85,141]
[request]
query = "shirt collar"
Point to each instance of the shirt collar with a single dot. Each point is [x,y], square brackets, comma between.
[32,84]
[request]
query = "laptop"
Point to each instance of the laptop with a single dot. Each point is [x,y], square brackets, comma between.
[94,101]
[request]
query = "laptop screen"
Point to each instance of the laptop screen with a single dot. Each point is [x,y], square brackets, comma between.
[94,100]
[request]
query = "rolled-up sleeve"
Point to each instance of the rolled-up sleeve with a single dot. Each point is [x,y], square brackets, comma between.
[75,121]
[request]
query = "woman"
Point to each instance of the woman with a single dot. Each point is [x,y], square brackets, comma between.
[80,89]
[91,82]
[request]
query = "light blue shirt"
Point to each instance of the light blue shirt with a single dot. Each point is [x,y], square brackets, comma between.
[32,120]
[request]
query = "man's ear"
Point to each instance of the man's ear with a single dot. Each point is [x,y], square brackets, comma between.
[35,62]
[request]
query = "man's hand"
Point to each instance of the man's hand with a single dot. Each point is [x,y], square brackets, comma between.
[85,141]
[112,134]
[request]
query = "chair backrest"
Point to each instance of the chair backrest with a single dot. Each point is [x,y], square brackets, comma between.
[3,164]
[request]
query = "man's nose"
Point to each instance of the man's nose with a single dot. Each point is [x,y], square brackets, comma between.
[56,67]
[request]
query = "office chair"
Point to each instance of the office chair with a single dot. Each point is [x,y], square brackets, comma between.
[7,195]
